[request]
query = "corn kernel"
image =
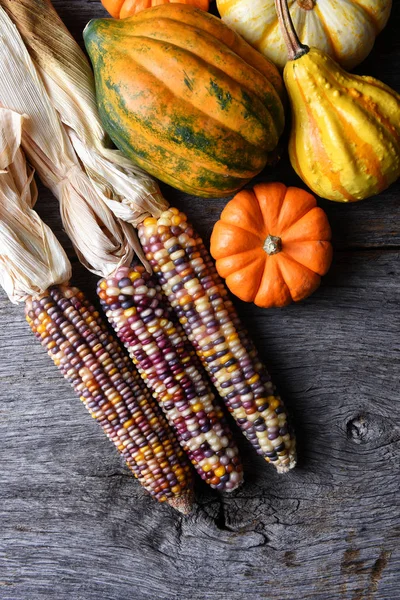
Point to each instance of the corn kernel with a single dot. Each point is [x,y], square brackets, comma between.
[220,471]
[150,221]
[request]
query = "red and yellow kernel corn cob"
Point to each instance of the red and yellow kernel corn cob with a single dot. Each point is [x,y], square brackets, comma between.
[78,342]
[168,364]
[194,289]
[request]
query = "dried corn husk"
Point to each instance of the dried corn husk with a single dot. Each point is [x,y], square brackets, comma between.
[31,258]
[102,241]
[126,189]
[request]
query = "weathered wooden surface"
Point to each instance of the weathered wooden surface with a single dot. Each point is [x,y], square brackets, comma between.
[76,525]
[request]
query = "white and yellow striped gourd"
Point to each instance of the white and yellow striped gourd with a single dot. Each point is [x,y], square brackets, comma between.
[344,29]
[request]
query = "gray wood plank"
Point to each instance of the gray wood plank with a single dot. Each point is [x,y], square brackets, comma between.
[75,521]
[75,524]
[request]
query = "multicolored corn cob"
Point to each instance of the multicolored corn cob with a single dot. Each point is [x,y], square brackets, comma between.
[78,342]
[194,289]
[166,360]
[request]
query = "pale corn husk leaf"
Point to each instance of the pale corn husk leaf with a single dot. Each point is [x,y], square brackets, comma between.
[31,258]
[102,242]
[128,190]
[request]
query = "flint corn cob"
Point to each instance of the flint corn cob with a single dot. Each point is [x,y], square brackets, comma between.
[77,341]
[169,366]
[190,281]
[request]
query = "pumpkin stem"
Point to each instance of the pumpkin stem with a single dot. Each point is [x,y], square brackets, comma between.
[272,245]
[295,48]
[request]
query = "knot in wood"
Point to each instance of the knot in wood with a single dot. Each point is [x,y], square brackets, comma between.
[358,430]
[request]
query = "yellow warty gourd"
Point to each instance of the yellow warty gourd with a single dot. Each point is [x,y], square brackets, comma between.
[345,137]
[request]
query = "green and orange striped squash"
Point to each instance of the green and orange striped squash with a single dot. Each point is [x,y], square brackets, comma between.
[186,98]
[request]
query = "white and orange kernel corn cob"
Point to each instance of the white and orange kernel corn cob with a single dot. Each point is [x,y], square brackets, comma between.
[190,281]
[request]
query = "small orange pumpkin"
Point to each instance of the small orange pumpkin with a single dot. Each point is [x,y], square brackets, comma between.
[272,245]
[119,9]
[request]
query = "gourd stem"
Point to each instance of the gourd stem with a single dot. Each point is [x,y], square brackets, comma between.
[272,244]
[295,48]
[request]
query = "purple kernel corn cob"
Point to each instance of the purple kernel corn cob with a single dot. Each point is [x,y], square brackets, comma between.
[169,366]
[189,279]
[78,342]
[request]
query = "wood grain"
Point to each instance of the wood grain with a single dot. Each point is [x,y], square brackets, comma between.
[74,524]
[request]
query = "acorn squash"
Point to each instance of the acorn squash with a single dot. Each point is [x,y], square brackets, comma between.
[186,98]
